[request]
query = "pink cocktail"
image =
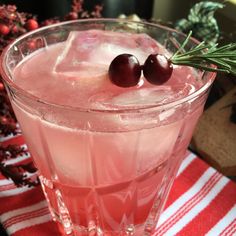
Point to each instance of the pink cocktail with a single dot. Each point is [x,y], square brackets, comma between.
[106,155]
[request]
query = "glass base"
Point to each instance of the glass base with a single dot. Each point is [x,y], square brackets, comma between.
[93,230]
[94,227]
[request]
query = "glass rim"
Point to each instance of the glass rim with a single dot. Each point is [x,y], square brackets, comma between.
[7,78]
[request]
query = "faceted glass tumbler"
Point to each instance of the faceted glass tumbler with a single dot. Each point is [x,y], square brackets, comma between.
[104,172]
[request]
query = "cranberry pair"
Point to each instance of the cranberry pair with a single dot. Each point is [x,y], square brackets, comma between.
[125,70]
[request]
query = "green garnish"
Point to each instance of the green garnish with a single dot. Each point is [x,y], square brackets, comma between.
[204,57]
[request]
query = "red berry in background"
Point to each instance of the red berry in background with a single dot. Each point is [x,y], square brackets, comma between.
[72,16]
[14,29]
[46,22]
[31,24]
[3,120]
[12,16]
[4,29]
[125,70]
[32,45]
[1,87]
[157,69]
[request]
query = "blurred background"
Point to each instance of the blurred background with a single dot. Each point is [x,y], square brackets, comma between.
[166,10]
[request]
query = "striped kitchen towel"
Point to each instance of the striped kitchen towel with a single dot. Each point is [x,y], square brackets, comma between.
[201,202]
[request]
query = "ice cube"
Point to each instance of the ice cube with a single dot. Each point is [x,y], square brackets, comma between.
[92,51]
[143,96]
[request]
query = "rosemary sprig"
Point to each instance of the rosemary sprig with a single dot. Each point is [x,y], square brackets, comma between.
[210,58]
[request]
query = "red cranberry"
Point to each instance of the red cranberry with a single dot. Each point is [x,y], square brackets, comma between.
[125,70]
[157,69]
[31,24]
[46,22]
[12,16]
[4,29]
[14,29]
[32,45]
[72,16]
[1,87]
[4,120]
